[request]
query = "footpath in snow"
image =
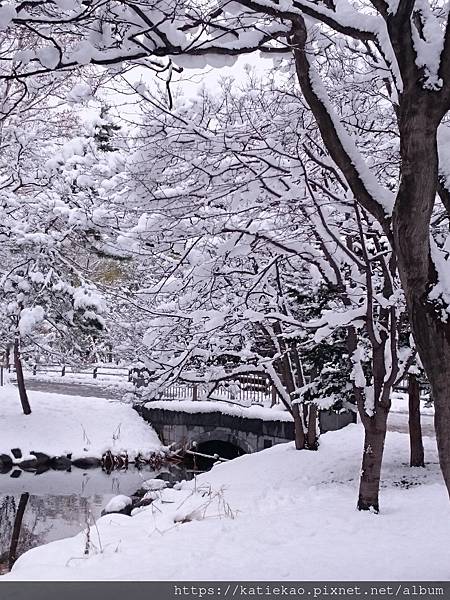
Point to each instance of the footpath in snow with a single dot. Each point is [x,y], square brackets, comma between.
[80,426]
[279,514]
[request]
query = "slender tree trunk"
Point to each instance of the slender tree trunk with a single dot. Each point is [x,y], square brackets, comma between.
[7,356]
[17,528]
[20,379]
[417,456]
[300,438]
[288,379]
[312,437]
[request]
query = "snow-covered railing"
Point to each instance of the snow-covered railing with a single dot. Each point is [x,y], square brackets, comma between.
[245,391]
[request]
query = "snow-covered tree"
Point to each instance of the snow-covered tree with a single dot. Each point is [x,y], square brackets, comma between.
[53,219]
[261,262]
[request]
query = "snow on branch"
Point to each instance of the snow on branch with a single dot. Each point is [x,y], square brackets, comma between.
[376,199]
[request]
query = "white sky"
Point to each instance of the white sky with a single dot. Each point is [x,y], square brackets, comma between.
[190,82]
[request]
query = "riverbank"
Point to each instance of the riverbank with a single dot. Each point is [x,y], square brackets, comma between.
[277,514]
[72,426]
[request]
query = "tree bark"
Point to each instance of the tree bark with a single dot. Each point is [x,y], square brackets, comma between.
[417,456]
[21,380]
[300,438]
[288,378]
[7,356]
[312,439]
[418,124]
[369,484]
[17,528]
[375,428]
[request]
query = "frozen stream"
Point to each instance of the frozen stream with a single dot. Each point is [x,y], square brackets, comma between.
[58,504]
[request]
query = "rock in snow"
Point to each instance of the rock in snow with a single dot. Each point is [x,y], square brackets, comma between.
[153,484]
[118,504]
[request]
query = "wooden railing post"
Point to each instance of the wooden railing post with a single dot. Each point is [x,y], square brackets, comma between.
[95,372]
[63,370]
[194,392]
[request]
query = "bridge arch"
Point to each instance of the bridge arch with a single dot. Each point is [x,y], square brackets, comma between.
[224,437]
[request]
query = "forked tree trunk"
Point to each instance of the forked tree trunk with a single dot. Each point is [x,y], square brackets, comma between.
[21,380]
[417,455]
[299,411]
[305,418]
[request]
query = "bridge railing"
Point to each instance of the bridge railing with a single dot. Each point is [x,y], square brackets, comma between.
[243,391]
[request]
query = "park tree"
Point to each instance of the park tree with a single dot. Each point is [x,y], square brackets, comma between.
[53,221]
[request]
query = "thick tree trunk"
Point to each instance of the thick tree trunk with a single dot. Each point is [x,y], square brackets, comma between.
[432,339]
[17,528]
[21,380]
[417,456]
[411,225]
[369,484]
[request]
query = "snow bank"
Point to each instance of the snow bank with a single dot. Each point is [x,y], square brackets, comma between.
[60,424]
[279,514]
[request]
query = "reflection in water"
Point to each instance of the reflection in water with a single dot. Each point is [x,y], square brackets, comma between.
[37,509]
[17,528]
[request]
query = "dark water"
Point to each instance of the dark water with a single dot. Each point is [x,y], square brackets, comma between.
[59,504]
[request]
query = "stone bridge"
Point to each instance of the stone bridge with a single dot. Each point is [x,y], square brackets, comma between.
[228,430]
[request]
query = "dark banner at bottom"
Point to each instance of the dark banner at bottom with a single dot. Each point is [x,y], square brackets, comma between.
[217,590]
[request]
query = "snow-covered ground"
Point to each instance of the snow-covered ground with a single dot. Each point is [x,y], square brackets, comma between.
[61,424]
[277,514]
[103,379]
[399,404]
